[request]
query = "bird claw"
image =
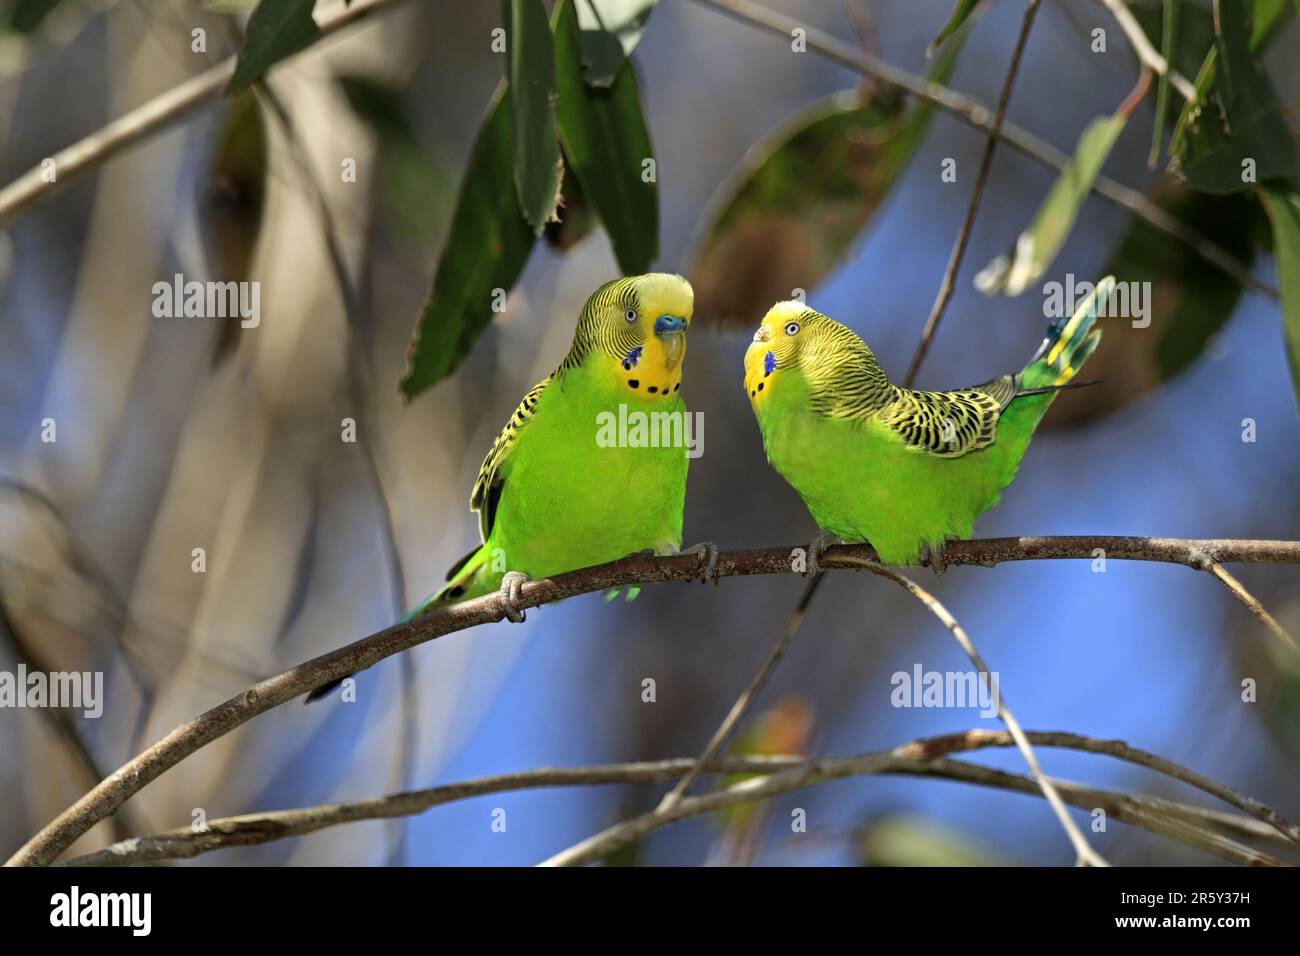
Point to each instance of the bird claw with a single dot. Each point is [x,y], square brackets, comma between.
[816,548]
[512,583]
[710,553]
[932,558]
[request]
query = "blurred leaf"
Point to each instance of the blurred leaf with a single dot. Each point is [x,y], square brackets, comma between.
[530,71]
[27,16]
[607,145]
[1013,272]
[784,729]
[1194,35]
[1236,116]
[610,29]
[415,187]
[794,206]
[485,251]
[230,203]
[914,840]
[1284,215]
[277,29]
[574,218]
[956,20]
[1188,301]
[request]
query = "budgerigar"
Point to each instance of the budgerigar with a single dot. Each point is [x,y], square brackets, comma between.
[901,469]
[552,496]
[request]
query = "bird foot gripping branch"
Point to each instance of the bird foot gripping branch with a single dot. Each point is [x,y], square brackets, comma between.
[708,551]
[512,583]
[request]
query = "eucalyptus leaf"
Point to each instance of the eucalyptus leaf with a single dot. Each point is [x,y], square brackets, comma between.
[276,29]
[611,29]
[1015,271]
[607,145]
[1283,210]
[482,258]
[530,71]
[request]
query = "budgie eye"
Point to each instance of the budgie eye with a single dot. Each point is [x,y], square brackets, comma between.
[630,315]
[792,328]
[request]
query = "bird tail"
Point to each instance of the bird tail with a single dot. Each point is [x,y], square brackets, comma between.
[1068,344]
[469,577]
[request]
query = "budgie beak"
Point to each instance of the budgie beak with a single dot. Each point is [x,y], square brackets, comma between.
[671,331]
[763,334]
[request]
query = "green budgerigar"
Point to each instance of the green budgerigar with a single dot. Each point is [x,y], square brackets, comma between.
[554,493]
[901,469]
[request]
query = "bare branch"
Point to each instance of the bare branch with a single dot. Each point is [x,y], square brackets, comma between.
[1238,590]
[113,791]
[1148,55]
[925,757]
[963,236]
[1140,811]
[75,161]
[746,696]
[1086,854]
[976,114]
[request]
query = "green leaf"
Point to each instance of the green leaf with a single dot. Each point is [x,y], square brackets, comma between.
[610,29]
[485,252]
[1236,116]
[1284,215]
[608,147]
[1013,272]
[414,186]
[530,71]
[800,198]
[230,203]
[956,20]
[277,29]
[907,839]
[574,219]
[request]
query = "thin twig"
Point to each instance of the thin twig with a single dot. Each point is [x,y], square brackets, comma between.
[958,253]
[90,152]
[976,114]
[131,777]
[721,735]
[1238,590]
[1128,808]
[1148,55]
[924,757]
[1086,854]
[939,747]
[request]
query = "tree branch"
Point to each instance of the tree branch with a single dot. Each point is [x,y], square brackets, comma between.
[747,696]
[1148,55]
[189,737]
[87,154]
[963,236]
[1086,855]
[976,114]
[1149,813]
[925,757]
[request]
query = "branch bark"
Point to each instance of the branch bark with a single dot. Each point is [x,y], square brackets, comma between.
[87,154]
[131,777]
[976,114]
[925,757]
